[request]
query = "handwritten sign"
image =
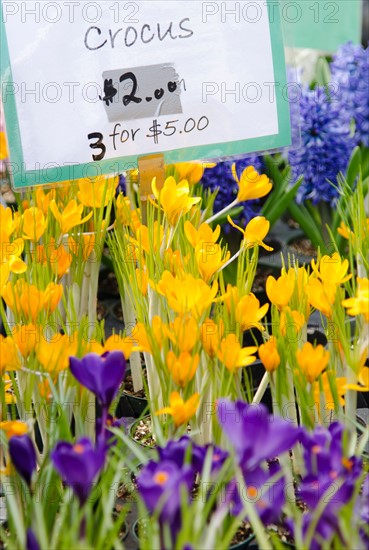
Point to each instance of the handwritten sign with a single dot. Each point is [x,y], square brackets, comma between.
[88,87]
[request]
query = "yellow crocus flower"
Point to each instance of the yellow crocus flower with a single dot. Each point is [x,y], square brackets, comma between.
[181,411]
[26,338]
[359,304]
[192,171]
[34,224]
[174,198]
[119,343]
[279,291]
[149,242]
[321,295]
[53,354]
[186,294]
[4,154]
[97,192]
[13,428]
[70,217]
[209,259]
[248,312]
[56,257]
[43,199]
[52,296]
[7,224]
[269,356]
[211,336]
[32,302]
[184,333]
[233,355]
[142,280]
[204,234]
[23,298]
[10,252]
[291,319]
[9,356]
[182,368]
[341,387]
[332,269]
[4,275]
[251,184]
[312,361]
[143,340]
[254,233]
[345,231]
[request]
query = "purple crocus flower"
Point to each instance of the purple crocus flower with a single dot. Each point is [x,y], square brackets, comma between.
[79,465]
[179,450]
[266,496]
[254,434]
[111,422]
[185,450]
[102,375]
[23,455]
[161,484]
[328,470]
[330,477]
[362,512]
[31,541]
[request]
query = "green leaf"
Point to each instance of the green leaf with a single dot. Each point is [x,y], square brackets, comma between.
[303,217]
[279,207]
[233,213]
[322,72]
[354,166]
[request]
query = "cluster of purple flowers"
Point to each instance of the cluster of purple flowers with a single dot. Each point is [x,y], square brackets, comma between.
[330,478]
[350,72]
[163,482]
[325,122]
[257,439]
[220,177]
[326,146]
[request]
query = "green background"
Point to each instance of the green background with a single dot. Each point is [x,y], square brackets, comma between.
[321,24]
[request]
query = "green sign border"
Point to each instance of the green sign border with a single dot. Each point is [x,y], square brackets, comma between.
[47,176]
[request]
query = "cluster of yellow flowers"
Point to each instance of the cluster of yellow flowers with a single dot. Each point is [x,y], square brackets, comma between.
[189,321]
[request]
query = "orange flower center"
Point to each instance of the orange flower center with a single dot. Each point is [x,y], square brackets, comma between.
[251,492]
[78,448]
[316,449]
[161,478]
[347,464]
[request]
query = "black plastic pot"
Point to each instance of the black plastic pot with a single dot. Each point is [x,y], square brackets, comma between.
[244,544]
[255,372]
[138,406]
[131,405]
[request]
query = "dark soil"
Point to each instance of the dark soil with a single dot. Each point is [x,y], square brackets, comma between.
[260,278]
[101,311]
[118,312]
[109,286]
[304,247]
[276,245]
[243,533]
